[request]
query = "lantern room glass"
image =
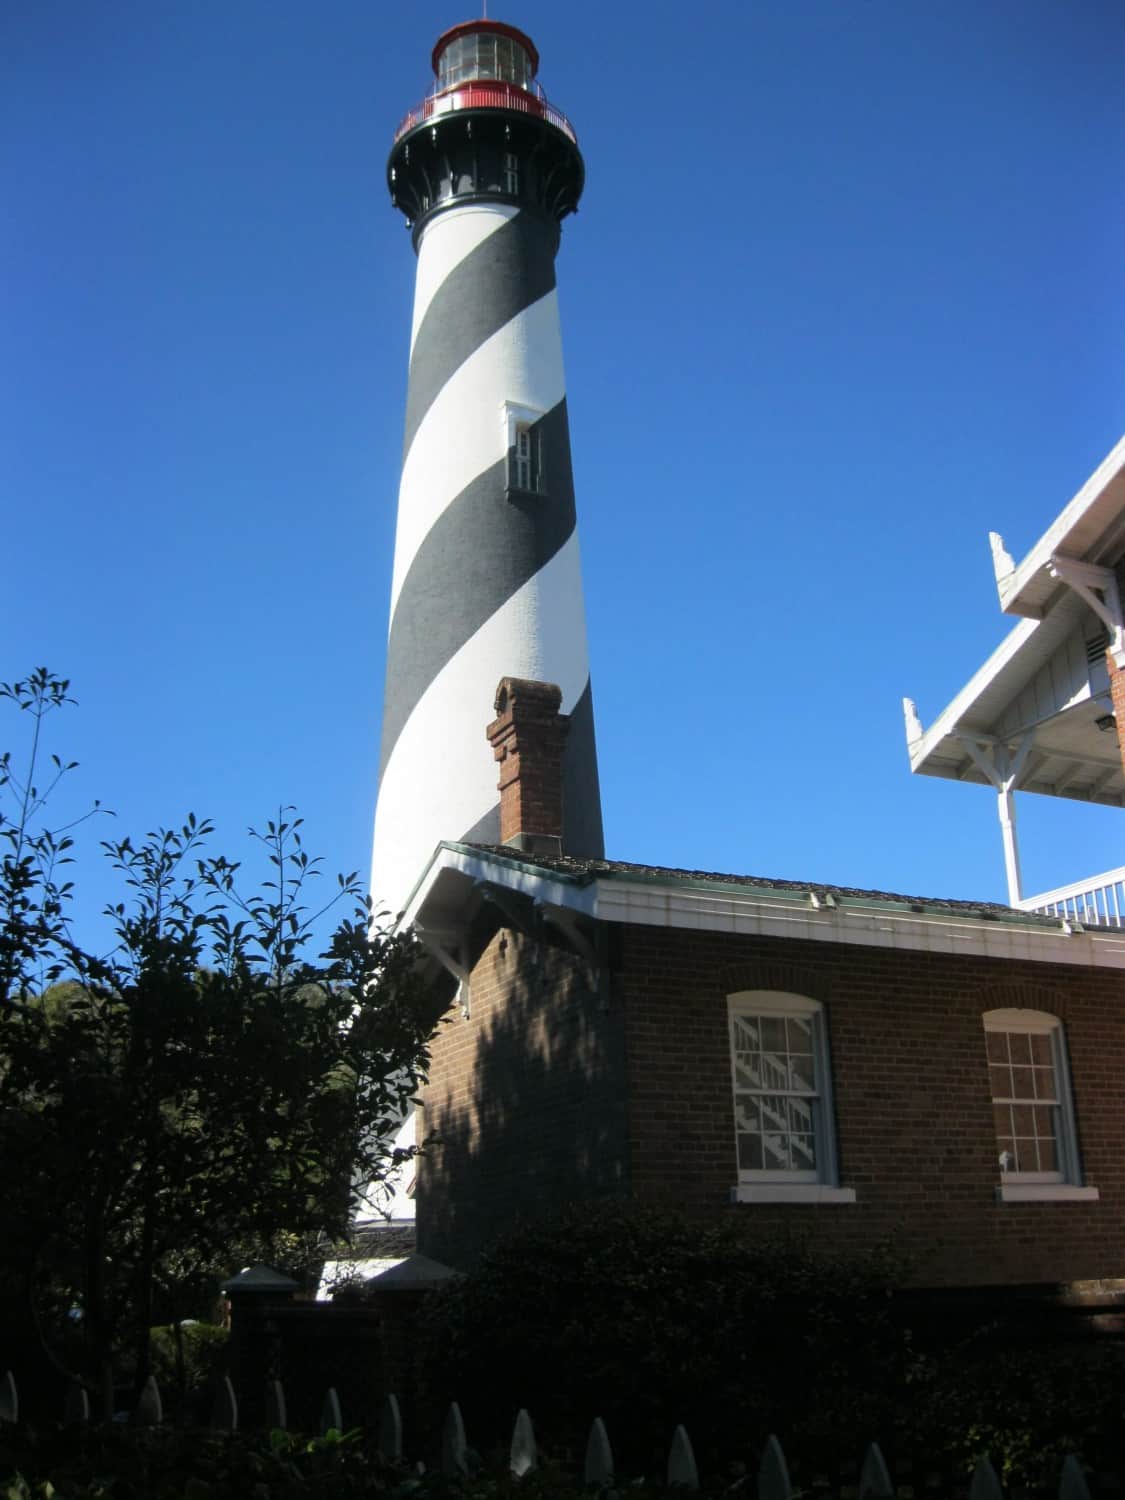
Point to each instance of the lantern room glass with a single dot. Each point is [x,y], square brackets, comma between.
[483,55]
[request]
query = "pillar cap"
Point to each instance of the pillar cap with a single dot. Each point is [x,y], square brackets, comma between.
[261,1279]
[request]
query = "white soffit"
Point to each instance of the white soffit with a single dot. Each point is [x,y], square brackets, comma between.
[1091,528]
[983,703]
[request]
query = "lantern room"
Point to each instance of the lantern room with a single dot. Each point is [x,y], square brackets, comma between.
[485,50]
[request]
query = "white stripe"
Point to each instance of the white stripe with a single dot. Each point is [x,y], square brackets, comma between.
[463,433]
[441,777]
[446,240]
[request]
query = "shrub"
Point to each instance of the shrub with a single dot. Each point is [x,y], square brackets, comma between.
[647,1318]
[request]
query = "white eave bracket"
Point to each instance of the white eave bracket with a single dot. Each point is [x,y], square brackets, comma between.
[566,922]
[515,909]
[439,947]
[1097,587]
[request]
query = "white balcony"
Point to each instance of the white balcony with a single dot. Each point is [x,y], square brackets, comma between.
[1096,902]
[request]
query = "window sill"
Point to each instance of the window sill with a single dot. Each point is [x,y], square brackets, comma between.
[1045,1192]
[790,1192]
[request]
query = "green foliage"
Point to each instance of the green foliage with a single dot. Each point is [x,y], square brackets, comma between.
[1025,1409]
[33,893]
[647,1318]
[204,1353]
[209,1092]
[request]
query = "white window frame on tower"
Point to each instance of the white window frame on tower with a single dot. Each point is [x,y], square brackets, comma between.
[511,174]
[1032,1101]
[783,1079]
[520,430]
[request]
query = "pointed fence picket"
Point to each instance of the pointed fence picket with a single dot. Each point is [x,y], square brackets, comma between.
[681,1461]
[523,1454]
[773,1473]
[1072,1481]
[774,1483]
[598,1468]
[277,1413]
[986,1482]
[874,1480]
[331,1418]
[454,1449]
[390,1429]
[149,1410]
[224,1412]
[76,1405]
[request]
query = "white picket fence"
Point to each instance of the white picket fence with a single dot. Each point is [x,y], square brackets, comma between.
[598,1472]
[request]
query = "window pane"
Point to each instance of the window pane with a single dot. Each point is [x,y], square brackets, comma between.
[750,1153]
[775,1151]
[801,1074]
[1044,1083]
[747,1033]
[1020,1044]
[775,1116]
[748,1071]
[1023,1119]
[798,1033]
[803,1153]
[1001,1081]
[1049,1156]
[1023,1085]
[997,1042]
[1041,1049]
[773,1033]
[748,1115]
[775,1072]
[800,1116]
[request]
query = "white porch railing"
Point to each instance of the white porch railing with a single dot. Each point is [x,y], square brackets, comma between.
[1096,902]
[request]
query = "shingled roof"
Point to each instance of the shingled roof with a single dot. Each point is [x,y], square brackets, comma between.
[585,870]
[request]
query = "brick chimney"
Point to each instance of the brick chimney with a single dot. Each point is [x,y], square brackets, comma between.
[527,738]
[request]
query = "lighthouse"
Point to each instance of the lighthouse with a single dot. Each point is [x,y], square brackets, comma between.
[486,582]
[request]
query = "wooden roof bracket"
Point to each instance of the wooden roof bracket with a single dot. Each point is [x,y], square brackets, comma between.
[1097,586]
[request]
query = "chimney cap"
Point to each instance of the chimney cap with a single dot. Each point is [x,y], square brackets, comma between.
[512,690]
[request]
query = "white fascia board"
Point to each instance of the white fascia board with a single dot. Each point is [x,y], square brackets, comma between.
[1075,532]
[755,911]
[951,720]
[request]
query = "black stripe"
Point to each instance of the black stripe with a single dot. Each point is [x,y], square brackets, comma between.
[483,547]
[582,799]
[485,830]
[507,272]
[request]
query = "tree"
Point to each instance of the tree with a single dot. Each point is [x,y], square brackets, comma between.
[33,895]
[206,1087]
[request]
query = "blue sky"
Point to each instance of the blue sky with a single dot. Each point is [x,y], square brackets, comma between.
[846,291]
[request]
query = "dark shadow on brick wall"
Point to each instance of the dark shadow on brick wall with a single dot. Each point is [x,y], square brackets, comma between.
[528,1095]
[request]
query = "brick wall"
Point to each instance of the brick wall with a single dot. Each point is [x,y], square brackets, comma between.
[526,1096]
[911,1091]
[545,1095]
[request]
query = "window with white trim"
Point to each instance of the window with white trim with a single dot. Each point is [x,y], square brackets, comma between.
[524,439]
[1033,1116]
[511,173]
[782,1099]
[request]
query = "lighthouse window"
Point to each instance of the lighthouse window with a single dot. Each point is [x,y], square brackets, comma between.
[511,173]
[525,469]
[524,442]
[483,56]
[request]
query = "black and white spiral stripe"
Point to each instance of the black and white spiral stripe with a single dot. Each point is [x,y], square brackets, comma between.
[487,580]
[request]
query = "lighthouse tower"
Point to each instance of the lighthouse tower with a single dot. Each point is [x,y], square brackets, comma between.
[486,581]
